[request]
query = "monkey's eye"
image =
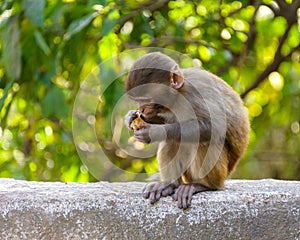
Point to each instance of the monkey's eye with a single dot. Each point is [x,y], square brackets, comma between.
[157,106]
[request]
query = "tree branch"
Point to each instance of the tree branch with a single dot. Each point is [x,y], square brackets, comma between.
[251,36]
[271,68]
[239,59]
[278,58]
[147,6]
[172,39]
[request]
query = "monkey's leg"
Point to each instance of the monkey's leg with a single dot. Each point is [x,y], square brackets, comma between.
[183,194]
[169,170]
[154,191]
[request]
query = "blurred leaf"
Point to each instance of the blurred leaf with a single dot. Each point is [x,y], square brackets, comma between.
[96,2]
[12,49]
[108,25]
[34,10]
[4,17]
[109,22]
[79,24]
[41,42]
[54,104]
[6,90]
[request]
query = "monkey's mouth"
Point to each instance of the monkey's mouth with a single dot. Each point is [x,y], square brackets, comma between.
[143,117]
[153,119]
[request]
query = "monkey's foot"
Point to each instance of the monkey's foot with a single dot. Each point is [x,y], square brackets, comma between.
[183,194]
[154,191]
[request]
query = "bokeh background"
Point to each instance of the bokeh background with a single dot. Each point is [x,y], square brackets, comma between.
[49,47]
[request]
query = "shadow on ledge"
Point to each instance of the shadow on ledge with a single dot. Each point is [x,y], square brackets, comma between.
[264,209]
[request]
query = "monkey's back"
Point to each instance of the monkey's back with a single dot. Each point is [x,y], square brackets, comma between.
[215,96]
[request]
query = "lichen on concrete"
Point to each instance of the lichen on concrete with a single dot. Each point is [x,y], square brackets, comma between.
[262,209]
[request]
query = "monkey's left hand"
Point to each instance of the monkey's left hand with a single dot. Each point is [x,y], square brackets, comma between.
[150,133]
[183,194]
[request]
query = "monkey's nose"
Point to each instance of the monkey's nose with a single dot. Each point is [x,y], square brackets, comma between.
[143,109]
[146,112]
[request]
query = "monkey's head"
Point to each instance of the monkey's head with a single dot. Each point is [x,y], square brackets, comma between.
[152,83]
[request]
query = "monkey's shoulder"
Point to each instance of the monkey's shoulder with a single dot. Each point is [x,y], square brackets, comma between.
[215,92]
[204,80]
[202,76]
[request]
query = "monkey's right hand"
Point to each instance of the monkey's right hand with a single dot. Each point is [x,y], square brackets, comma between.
[149,133]
[155,190]
[130,116]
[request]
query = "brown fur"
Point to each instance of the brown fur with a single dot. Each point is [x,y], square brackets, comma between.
[206,93]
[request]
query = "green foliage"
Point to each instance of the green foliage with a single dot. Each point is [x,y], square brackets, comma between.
[12,49]
[54,104]
[48,48]
[34,10]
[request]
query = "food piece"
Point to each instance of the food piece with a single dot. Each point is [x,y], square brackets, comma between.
[136,123]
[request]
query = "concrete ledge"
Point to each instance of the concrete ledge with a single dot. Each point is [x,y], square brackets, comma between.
[265,209]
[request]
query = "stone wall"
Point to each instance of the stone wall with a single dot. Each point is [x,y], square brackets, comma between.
[264,209]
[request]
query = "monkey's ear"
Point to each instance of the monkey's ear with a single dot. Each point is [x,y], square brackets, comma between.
[176,77]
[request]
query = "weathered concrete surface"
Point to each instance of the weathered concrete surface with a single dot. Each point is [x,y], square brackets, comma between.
[265,209]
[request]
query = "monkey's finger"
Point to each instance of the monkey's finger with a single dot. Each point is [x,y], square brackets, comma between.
[167,191]
[158,194]
[179,202]
[144,125]
[130,116]
[179,196]
[152,197]
[158,188]
[141,137]
[175,195]
[138,137]
[190,195]
[146,194]
[147,189]
[184,197]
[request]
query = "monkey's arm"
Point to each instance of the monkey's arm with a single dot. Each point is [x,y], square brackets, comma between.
[188,131]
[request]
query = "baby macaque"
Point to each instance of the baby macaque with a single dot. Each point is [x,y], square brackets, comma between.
[199,120]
